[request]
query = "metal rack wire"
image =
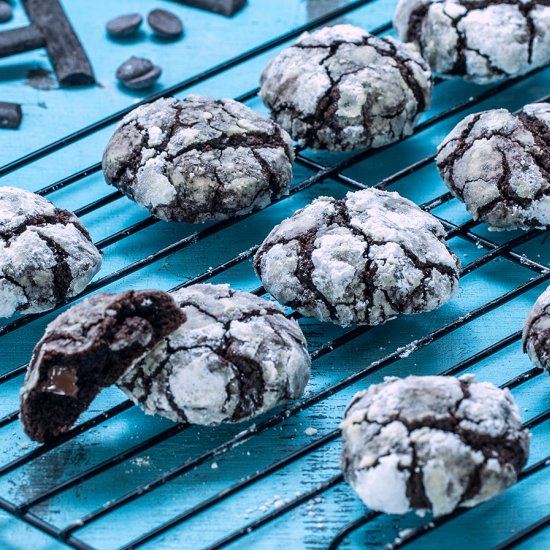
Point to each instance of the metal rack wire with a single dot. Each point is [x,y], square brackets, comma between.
[492,250]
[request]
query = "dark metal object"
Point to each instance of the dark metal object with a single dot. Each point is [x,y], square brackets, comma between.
[138,73]
[124,25]
[165,24]
[10,115]
[223,7]
[50,29]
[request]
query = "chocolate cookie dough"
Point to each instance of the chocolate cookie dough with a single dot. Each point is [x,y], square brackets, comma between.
[479,40]
[432,443]
[46,254]
[235,357]
[87,348]
[536,332]
[342,88]
[498,164]
[363,259]
[199,159]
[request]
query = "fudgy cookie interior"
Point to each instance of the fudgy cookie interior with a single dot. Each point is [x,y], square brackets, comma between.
[87,348]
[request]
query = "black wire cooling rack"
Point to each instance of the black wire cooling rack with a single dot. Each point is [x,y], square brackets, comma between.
[503,247]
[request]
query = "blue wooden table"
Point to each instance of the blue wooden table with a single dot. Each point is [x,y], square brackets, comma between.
[274,483]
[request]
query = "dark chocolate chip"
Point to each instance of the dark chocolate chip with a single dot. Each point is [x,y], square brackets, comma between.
[138,73]
[6,12]
[223,7]
[124,25]
[10,115]
[165,24]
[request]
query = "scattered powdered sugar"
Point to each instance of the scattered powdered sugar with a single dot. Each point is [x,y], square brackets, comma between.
[141,460]
[405,351]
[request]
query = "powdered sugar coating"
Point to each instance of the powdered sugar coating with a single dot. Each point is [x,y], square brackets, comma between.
[432,443]
[235,357]
[536,332]
[199,159]
[363,259]
[46,254]
[342,88]
[498,164]
[480,40]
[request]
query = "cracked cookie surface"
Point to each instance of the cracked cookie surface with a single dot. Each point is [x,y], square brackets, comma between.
[432,443]
[235,357]
[498,164]
[536,332]
[87,348]
[199,159]
[46,254]
[480,40]
[362,259]
[342,88]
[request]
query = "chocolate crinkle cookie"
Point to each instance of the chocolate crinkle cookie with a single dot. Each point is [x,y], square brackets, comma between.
[342,88]
[236,356]
[536,332]
[432,443]
[362,259]
[498,164]
[479,40]
[46,254]
[87,348]
[199,159]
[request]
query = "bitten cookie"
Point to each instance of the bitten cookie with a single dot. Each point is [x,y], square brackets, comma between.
[498,164]
[482,41]
[536,332]
[342,88]
[46,254]
[432,443]
[235,357]
[363,259]
[199,159]
[87,348]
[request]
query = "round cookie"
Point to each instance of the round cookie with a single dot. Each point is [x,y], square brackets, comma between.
[482,41]
[87,348]
[199,159]
[362,259]
[235,357]
[432,443]
[46,254]
[341,88]
[498,164]
[536,332]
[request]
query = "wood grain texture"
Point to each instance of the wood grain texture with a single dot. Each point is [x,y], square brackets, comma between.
[209,39]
